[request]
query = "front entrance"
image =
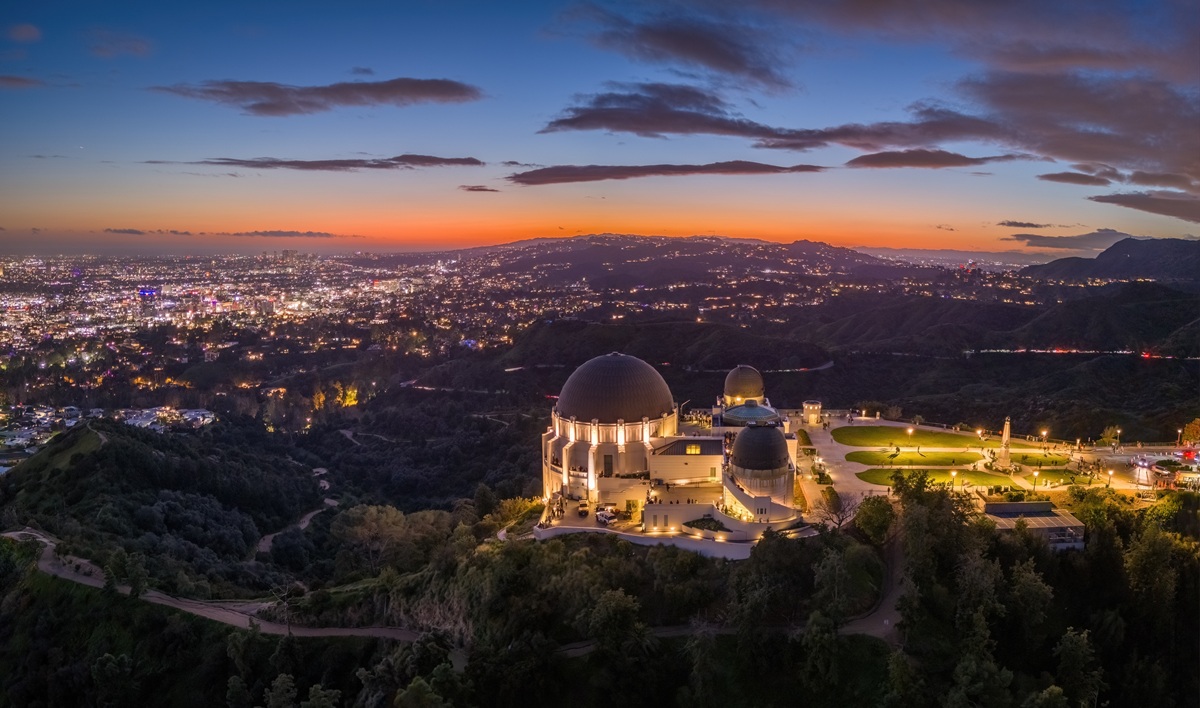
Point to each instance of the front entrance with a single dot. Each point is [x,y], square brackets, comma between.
[608,465]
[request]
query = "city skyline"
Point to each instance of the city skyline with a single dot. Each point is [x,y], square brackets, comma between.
[1057,128]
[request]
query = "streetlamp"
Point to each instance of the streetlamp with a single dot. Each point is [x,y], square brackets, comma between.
[910,432]
[1035,476]
[1109,483]
[1118,437]
[953,479]
[1178,437]
[1044,434]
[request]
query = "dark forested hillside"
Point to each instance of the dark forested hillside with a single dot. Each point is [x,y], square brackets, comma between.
[1155,258]
[194,502]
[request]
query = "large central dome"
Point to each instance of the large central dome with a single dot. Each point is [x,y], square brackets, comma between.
[744,382]
[615,387]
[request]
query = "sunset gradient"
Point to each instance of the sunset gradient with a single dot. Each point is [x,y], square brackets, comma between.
[156,128]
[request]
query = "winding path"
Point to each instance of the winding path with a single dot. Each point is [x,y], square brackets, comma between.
[236,613]
[265,543]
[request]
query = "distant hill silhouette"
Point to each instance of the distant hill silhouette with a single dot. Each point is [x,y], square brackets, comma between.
[1135,316]
[921,324]
[1155,258]
[678,344]
[620,261]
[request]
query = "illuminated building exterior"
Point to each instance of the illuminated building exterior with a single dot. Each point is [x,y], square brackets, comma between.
[616,437]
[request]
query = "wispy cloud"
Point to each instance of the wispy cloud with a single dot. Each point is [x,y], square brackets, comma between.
[724,47]
[1075,178]
[362,71]
[24,33]
[1097,240]
[1022,224]
[657,109]
[1161,179]
[108,44]
[127,232]
[560,174]
[476,188]
[399,162]
[9,81]
[1166,203]
[265,98]
[920,157]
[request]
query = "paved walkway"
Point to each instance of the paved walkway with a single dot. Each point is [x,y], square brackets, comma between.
[236,613]
[265,543]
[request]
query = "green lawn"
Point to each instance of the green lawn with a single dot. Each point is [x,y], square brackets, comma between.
[891,436]
[907,457]
[986,479]
[1034,458]
[802,438]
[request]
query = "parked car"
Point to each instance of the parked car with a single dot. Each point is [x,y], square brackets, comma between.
[583,508]
[605,517]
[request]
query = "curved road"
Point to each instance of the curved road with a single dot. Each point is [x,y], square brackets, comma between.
[234,613]
[264,543]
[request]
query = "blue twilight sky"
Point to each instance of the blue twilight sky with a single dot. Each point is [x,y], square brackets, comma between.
[1020,125]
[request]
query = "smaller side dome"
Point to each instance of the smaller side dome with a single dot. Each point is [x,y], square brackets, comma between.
[759,447]
[744,382]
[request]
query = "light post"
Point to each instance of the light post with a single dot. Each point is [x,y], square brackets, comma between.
[953,479]
[1118,437]
[1178,437]
[1035,476]
[1044,434]
[1109,483]
[910,432]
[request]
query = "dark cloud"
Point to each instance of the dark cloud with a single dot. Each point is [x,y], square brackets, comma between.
[129,232]
[1107,122]
[1075,178]
[1023,225]
[9,81]
[722,46]
[1175,204]
[476,188]
[35,230]
[920,157]
[559,174]
[24,33]
[265,98]
[362,71]
[514,163]
[107,44]
[945,227]
[399,162]
[1106,171]
[1097,240]
[656,110]
[1161,179]
[1102,123]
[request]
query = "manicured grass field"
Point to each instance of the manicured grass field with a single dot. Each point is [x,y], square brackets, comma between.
[1034,458]
[802,438]
[908,457]
[884,477]
[891,436]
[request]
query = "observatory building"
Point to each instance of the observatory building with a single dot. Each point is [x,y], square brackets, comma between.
[616,440]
